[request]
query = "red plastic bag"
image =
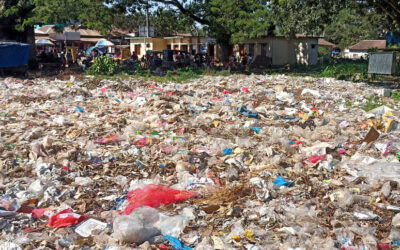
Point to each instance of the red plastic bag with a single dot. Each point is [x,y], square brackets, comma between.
[316,158]
[39,212]
[155,196]
[66,218]
[108,139]
[141,142]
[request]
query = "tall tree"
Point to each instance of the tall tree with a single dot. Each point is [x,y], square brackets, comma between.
[353,24]
[312,16]
[91,13]
[304,16]
[226,21]
[389,8]
[13,26]
[167,22]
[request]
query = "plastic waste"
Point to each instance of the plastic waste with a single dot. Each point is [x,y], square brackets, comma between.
[65,218]
[108,139]
[137,227]
[85,228]
[177,244]
[79,109]
[227,151]
[243,110]
[8,206]
[154,196]
[279,181]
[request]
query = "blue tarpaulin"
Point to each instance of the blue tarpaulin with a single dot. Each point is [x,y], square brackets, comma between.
[393,38]
[13,54]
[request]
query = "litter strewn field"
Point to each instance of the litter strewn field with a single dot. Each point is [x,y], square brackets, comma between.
[235,162]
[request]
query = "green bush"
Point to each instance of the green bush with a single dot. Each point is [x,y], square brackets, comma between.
[394,46]
[322,51]
[103,65]
[347,71]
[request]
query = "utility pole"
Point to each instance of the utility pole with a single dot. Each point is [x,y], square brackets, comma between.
[147,26]
[147,21]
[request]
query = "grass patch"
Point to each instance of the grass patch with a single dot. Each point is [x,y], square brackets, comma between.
[343,69]
[349,104]
[179,75]
[356,71]
[372,103]
[396,96]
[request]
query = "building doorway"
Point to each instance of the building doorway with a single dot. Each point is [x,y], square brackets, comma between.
[241,49]
[210,50]
[263,49]
[137,49]
[251,49]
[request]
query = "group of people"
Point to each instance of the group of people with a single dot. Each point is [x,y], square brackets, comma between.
[182,59]
[55,55]
[48,55]
[242,59]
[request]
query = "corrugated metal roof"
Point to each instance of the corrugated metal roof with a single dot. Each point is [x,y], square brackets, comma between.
[324,42]
[369,44]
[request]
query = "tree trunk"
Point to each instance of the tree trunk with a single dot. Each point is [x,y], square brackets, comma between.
[224,52]
[30,39]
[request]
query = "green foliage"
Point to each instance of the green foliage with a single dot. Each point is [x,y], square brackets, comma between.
[335,68]
[91,13]
[394,46]
[356,71]
[372,103]
[396,96]
[226,21]
[166,22]
[15,13]
[182,75]
[354,23]
[22,13]
[234,21]
[305,16]
[214,72]
[178,75]
[323,51]
[389,8]
[103,65]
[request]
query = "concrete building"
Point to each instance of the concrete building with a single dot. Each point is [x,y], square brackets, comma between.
[360,50]
[185,42]
[280,50]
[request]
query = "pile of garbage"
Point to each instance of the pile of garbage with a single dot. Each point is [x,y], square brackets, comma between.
[246,162]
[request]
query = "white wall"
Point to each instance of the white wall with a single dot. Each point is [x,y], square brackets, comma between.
[355,54]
